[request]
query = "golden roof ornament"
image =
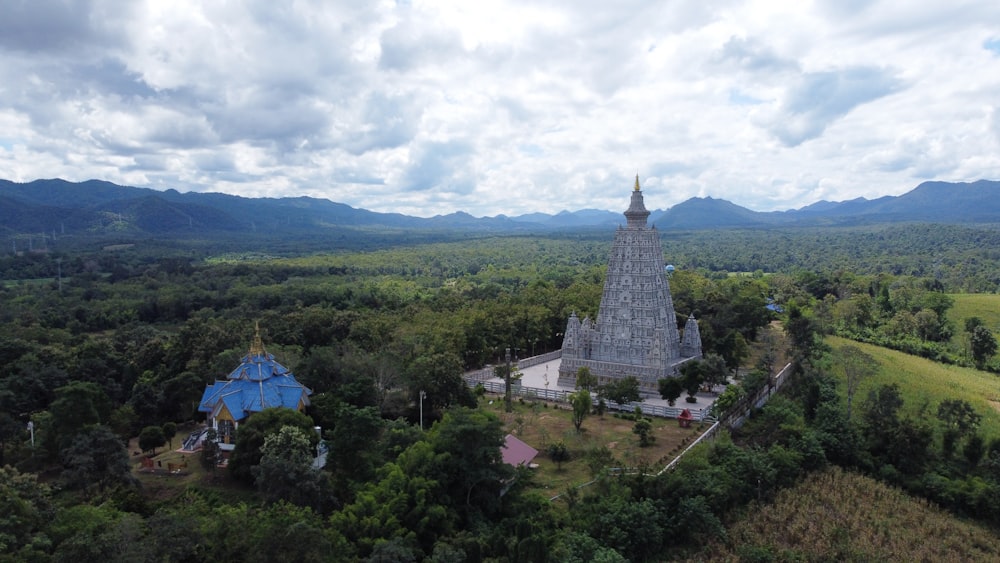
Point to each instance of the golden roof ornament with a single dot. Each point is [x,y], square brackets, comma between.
[257,346]
[636,182]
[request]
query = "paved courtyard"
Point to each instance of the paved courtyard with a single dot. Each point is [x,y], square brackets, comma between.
[546,376]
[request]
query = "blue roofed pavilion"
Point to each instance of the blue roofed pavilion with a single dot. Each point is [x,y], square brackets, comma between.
[258,383]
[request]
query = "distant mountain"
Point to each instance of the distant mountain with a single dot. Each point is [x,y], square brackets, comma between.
[937,202]
[930,202]
[94,206]
[710,213]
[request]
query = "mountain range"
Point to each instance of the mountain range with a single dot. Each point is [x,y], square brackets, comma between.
[99,207]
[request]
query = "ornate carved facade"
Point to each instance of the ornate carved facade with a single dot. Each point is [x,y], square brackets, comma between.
[636,328]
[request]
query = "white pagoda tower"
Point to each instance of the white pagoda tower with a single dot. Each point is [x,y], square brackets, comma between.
[636,328]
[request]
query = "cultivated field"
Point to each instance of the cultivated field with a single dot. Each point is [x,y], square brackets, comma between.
[840,516]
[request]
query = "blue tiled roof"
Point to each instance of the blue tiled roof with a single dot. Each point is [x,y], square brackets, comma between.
[258,383]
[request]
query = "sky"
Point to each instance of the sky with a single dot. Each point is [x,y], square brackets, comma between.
[503,107]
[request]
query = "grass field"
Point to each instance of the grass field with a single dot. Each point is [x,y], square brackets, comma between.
[840,516]
[986,306]
[540,426]
[922,381]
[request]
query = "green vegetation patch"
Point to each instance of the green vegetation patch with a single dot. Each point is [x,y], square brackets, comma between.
[540,426]
[240,258]
[986,306]
[924,382]
[839,516]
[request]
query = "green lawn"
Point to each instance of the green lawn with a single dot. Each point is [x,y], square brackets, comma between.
[986,306]
[924,382]
[540,426]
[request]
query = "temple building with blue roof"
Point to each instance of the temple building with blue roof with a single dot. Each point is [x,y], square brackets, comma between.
[258,383]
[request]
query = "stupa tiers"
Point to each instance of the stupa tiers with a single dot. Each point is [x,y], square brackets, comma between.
[256,384]
[635,333]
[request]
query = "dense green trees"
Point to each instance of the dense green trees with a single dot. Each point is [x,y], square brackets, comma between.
[96,456]
[26,509]
[448,482]
[132,339]
[252,434]
[286,472]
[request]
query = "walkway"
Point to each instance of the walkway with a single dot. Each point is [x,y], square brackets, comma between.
[546,375]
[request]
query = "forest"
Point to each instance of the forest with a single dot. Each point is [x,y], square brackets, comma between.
[108,345]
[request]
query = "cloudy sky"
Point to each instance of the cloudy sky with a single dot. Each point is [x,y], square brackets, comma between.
[503,107]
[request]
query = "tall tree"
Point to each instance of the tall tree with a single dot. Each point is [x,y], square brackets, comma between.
[77,406]
[644,429]
[714,370]
[582,404]
[585,379]
[252,433]
[959,418]
[857,366]
[983,344]
[151,438]
[96,456]
[439,375]
[558,452]
[286,468]
[670,389]
[10,431]
[353,440]
[692,375]
[169,431]
[622,391]
[473,470]
[211,455]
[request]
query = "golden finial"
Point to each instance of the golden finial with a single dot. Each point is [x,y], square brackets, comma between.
[637,182]
[257,346]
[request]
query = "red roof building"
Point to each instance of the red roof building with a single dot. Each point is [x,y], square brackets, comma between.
[515,452]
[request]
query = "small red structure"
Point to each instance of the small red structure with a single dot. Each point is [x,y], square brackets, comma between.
[515,452]
[685,418]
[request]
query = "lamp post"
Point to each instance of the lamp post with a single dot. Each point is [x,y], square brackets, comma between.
[509,407]
[422,395]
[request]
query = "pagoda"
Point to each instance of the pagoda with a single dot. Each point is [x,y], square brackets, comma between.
[635,333]
[258,383]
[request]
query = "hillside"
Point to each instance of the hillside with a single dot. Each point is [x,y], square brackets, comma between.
[839,516]
[923,381]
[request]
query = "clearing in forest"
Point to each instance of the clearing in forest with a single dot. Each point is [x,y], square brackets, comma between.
[540,424]
[923,382]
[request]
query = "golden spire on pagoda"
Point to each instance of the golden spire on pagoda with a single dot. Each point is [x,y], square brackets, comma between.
[257,346]
[636,182]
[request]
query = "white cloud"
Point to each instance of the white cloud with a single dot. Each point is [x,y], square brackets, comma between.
[502,107]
